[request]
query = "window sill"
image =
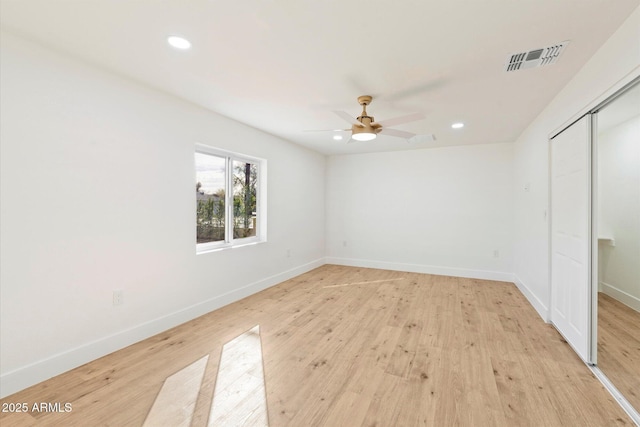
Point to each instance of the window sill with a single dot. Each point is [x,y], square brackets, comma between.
[224,247]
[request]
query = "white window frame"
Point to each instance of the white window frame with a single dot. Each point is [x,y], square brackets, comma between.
[261,201]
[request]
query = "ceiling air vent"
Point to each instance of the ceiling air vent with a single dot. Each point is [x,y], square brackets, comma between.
[534,58]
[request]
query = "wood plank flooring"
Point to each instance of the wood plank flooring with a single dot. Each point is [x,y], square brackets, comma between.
[344,346]
[619,346]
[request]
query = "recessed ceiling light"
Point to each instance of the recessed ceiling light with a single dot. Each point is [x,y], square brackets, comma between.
[337,137]
[457,125]
[179,42]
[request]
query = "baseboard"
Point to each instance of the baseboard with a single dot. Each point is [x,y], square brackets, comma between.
[538,305]
[620,295]
[26,376]
[421,268]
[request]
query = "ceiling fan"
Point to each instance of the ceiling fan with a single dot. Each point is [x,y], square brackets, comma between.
[365,128]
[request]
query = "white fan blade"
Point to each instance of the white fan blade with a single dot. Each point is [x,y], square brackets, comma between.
[414,90]
[347,117]
[423,138]
[398,133]
[401,120]
[327,130]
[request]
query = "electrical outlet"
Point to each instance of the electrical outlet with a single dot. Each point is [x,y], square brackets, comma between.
[118,297]
[344,243]
[288,253]
[496,254]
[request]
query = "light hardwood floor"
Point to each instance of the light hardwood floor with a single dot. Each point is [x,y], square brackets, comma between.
[344,346]
[619,346]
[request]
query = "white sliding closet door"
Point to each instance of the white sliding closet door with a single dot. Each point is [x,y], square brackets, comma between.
[571,235]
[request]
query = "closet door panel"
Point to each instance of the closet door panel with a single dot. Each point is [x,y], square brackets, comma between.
[570,235]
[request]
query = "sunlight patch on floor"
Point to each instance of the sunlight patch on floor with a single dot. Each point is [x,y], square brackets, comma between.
[239,398]
[176,400]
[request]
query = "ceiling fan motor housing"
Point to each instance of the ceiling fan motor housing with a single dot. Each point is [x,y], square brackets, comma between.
[368,125]
[365,120]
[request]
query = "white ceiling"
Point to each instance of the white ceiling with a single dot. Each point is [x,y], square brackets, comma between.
[283,66]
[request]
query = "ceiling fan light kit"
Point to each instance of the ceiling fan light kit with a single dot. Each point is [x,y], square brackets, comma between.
[362,134]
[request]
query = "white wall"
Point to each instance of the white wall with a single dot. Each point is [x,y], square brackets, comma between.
[97,194]
[617,61]
[440,211]
[619,212]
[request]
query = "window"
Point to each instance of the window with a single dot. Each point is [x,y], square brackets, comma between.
[229,199]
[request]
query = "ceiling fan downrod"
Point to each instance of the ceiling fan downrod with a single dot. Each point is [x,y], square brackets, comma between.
[365,100]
